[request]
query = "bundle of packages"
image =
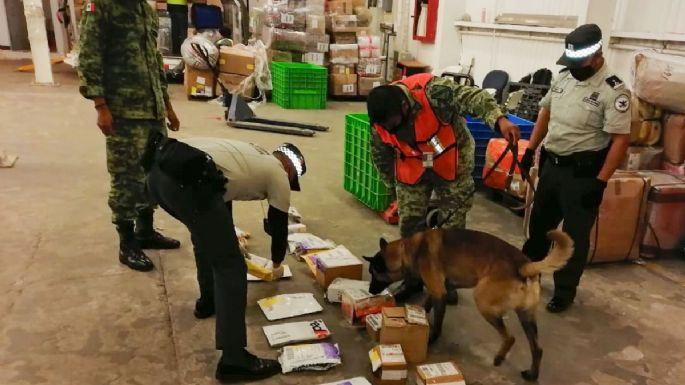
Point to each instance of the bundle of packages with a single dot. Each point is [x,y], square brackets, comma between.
[660,80]
[369,46]
[283,17]
[284,40]
[645,126]
[369,68]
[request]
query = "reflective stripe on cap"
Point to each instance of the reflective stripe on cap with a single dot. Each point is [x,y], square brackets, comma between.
[583,52]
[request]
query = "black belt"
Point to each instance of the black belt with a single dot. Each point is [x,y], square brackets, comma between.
[561,160]
[576,158]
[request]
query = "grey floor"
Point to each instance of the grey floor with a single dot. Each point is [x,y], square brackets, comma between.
[71,314]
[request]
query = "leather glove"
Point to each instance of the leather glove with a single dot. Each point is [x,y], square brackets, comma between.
[527,161]
[593,197]
[277,273]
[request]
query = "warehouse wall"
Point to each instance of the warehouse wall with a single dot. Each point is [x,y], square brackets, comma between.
[485,10]
[4,28]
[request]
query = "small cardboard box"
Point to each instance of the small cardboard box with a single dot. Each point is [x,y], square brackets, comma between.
[407,326]
[343,85]
[342,69]
[336,263]
[367,84]
[236,61]
[445,373]
[340,7]
[358,303]
[335,289]
[233,84]
[388,365]
[344,38]
[199,83]
[373,326]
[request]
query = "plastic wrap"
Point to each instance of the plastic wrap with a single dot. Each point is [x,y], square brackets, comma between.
[199,52]
[316,24]
[369,46]
[317,58]
[344,38]
[344,53]
[369,67]
[318,43]
[317,357]
[284,40]
[364,16]
[257,21]
[284,18]
[280,56]
[343,23]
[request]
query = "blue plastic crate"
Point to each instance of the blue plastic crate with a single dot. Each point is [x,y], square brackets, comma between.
[480,130]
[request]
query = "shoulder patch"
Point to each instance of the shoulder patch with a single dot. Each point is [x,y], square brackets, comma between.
[622,103]
[614,82]
[90,6]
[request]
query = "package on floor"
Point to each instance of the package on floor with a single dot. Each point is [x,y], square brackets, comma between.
[303,243]
[289,305]
[284,40]
[334,291]
[388,365]
[315,357]
[660,80]
[367,84]
[318,43]
[236,61]
[342,69]
[316,24]
[444,373]
[261,269]
[295,228]
[294,214]
[296,332]
[336,263]
[243,85]
[342,85]
[283,17]
[642,158]
[370,67]
[674,138]
[356,304]
[369,46]
[407,326]
[340,7]
[199,83]
[344,53]
[665,235]
[350,381]
[374,322]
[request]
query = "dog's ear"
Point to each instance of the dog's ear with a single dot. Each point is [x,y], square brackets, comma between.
[383,244]
[368,259]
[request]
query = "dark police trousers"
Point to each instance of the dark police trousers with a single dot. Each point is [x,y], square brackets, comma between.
[221,269]
[558,198]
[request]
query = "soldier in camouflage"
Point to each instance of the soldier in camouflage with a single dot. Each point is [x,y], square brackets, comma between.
[407,116]
[121,71]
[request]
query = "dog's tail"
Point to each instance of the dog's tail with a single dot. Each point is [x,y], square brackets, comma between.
[555,260]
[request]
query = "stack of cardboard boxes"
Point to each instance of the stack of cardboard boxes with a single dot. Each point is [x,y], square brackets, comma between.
[233,71]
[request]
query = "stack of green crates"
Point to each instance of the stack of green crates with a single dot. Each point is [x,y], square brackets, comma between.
[299,85]
[361,177]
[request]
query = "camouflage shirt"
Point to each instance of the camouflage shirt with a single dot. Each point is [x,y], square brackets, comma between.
[450,102]
[119,60]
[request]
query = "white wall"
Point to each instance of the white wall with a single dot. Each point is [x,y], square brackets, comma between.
[655,16]
[4,28]
[536,7]
[445,51]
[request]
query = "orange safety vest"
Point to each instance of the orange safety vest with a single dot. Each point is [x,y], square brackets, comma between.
[432,136]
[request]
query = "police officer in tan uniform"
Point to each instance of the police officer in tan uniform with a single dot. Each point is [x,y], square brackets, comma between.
[585,124]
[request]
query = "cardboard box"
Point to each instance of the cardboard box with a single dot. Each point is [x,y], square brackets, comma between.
[199,83]
[234,83]
[407,326]
[344,38]
[367,84]
[642,158]
[344,53]
[358,303]
[343,85]
[374,322]
[342,69]
[445,373]
[335,289]
[336,263]
[340,7]
[674,138]
[388,365]
[236,61]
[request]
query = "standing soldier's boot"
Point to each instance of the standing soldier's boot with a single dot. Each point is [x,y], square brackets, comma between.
[148,238]
[130,253]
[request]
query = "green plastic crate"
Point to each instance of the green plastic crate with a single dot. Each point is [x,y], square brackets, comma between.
[360,176]
[299,85]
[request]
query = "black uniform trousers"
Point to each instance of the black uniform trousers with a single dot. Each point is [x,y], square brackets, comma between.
[179,26]
[221,269]
[559,197]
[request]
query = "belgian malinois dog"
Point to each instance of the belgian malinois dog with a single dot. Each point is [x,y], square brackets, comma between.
[503,278]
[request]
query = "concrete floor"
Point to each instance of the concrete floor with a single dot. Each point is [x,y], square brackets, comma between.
[71,314]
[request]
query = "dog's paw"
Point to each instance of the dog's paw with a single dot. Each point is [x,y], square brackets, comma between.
[529,375]
[498,360]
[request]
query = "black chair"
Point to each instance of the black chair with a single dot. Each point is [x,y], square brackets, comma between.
[463,79]
[498,80]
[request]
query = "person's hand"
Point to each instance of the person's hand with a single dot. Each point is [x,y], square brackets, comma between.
[593,197]
[527,161]
[105,120]
[509,130]
[277,272]
[173,123]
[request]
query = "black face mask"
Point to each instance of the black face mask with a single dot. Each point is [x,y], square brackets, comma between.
[582,73]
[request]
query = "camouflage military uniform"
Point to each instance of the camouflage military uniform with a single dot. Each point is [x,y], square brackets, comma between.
[119,61]
[450,101]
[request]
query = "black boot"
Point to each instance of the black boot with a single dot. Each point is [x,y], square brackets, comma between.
[248,368]
[204,308]
[130,253]
[148,238]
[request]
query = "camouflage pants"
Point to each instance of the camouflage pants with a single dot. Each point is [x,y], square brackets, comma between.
[455,198]
[125,149]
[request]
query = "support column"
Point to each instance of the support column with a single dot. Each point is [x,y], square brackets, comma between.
[38,39]
[601,12]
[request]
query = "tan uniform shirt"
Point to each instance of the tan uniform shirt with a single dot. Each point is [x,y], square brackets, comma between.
[583,115]
[252,172]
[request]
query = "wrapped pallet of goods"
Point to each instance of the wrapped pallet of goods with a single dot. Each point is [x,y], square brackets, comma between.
[674,143]
[370,64]
[660,80]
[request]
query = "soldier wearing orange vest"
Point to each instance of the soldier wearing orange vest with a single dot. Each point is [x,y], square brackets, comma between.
[420,145]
